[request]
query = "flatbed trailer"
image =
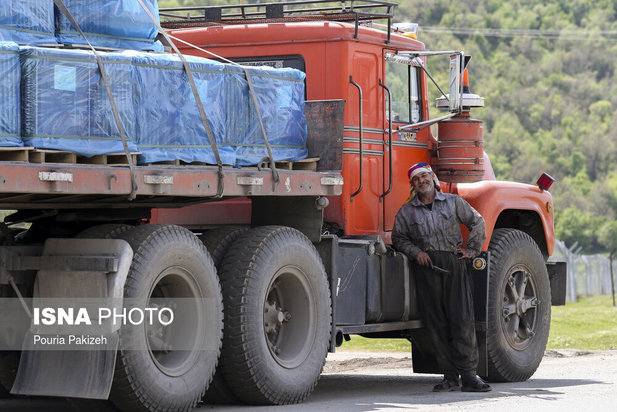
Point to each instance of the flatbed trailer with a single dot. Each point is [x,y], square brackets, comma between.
[65,186]
[62,185]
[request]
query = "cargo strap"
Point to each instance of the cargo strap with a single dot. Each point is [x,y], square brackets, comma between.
[112,102]
[270,158]
[249,80]
[168,37]
[200,106]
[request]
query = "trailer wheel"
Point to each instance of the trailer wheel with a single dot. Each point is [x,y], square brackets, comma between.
[218,242]
[277,316]
[169,262]
[519,308]
[104,231]
[9,360]
[9,363]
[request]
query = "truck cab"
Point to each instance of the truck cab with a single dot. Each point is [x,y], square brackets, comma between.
[354,63]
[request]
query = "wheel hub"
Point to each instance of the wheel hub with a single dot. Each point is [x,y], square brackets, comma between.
[519,308]
[288,317]
[274,316]
[168,344]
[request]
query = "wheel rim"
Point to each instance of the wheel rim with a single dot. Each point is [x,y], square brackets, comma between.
[289,317]
[169,345]
[520,307]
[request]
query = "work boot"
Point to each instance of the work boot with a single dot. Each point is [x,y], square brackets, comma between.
[448,384]
[472,383]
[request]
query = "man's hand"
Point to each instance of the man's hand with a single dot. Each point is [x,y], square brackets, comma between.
[424,259]
[464,253]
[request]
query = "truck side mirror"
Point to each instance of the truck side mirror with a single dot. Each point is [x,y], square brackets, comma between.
[456,90]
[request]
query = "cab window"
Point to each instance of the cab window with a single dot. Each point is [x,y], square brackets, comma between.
[403,81]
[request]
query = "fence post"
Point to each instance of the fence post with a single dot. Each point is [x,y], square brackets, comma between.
[610,259]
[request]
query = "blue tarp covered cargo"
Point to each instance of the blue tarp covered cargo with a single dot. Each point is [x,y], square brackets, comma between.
[9,90]
[27,21]
[280,96]
[65,105]
[121,24]
[168,123]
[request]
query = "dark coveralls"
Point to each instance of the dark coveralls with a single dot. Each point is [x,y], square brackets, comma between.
[445,299]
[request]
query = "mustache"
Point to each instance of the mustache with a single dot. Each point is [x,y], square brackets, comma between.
[425,185]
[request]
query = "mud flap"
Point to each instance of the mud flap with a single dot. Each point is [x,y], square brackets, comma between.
[93,270]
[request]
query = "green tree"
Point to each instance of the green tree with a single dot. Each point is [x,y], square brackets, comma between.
[608,237]
[573,225]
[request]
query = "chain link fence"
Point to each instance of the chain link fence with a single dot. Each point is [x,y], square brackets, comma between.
[587,274]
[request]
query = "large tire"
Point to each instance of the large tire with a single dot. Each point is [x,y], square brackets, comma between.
[169,262]
[9,360]
[519,308]
[104,231]
[218,242]
[277,316]
[9,363]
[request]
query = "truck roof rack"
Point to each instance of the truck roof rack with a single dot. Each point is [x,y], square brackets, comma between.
[283,12]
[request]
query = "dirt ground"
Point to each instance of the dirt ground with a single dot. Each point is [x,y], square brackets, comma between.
[567,380]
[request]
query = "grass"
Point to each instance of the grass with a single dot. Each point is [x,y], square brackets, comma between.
[589,324]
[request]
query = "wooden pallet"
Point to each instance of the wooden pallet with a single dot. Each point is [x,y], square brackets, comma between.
[45,156]
[309,164]
[48,156]
[112,159]
[14,154]
[176,162]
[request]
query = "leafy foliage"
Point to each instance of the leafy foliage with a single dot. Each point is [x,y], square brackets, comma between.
[551,93]
[546,71]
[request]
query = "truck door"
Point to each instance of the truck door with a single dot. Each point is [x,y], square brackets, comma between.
[403,86]
[365,212]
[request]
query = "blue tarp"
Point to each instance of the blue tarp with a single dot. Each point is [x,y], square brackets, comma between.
[280,96]
[65,105]
[10,74]
[169,126]
[121,24]
[27,21]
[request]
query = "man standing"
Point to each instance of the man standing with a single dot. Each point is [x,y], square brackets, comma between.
[427,230]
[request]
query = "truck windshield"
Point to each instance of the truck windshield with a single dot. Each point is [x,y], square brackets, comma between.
[403,81]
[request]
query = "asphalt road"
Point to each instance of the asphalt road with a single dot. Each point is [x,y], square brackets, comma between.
[567,380]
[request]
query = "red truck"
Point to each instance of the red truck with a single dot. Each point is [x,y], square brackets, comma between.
[297,255]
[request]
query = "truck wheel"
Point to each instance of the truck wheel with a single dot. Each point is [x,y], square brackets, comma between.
[218,242]
[104,231]
[169,262]
[9,363]
[277,316]
[519,308]
[9,360]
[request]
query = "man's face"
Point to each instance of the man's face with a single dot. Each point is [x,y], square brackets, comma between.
[423,183]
